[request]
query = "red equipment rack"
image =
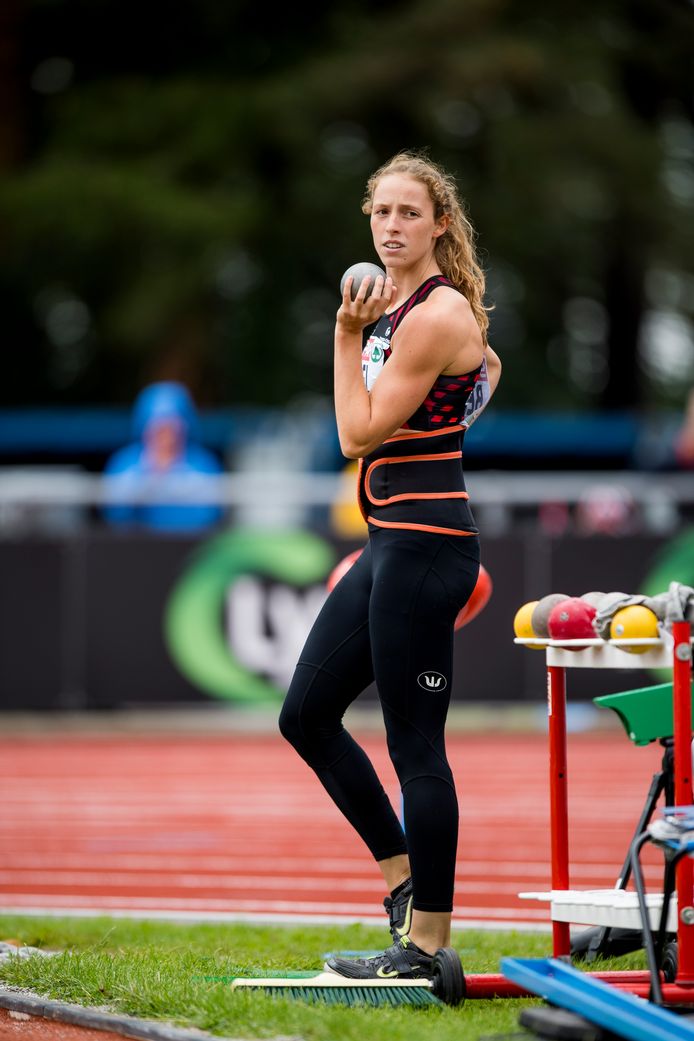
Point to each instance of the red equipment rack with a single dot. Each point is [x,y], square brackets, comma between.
[599,653]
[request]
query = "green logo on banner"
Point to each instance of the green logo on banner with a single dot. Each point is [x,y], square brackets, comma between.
[673,563]
[194,620]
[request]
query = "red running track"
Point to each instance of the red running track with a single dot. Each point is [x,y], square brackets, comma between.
[236,826]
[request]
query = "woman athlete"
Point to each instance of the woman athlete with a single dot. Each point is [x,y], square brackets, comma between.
[412,371]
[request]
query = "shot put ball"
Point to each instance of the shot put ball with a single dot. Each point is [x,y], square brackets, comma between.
[359,272]
[540,616]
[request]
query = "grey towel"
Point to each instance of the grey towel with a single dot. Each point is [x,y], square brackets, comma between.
[676,605]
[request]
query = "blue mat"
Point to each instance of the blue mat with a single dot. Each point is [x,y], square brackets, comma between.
[625,1014]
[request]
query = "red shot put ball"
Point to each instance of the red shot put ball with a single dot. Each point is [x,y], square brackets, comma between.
[572,619]
[478,599]
[358,273]
[342,568]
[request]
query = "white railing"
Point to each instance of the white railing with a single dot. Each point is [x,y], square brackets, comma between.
[659,503]
[487,488]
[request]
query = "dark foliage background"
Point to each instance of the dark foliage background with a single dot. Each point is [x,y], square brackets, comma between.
[181,183]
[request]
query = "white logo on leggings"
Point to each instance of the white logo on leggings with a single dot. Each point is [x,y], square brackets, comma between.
[432,681]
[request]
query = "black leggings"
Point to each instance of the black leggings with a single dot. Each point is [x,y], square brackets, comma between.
[390,618]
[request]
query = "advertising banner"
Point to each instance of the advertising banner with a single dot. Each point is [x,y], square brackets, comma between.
[115,620]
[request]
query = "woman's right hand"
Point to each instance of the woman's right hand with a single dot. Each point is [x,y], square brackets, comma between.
[355,315]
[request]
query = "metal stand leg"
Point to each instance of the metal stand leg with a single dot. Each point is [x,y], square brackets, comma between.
[668,890]
[656,994]
[608,940]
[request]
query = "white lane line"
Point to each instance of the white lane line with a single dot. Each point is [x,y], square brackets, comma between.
[270,909]
[262,918]
[268,906]
[320,867]
[57,880]
[189,849]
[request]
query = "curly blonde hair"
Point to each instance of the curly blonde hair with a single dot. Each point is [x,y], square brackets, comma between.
[454,250]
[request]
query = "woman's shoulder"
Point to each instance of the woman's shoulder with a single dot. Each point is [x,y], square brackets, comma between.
[451,323]
[448,306]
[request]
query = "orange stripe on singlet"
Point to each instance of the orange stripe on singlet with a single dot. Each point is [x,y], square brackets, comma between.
[410,435]
[418,527]
[429,458]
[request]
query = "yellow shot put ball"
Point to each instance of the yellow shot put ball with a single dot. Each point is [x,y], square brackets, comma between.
[632,622]
[522,624]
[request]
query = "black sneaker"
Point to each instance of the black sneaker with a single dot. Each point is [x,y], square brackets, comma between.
[400,911]
[404,961]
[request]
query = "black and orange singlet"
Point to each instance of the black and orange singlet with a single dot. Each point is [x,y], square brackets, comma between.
[415,480]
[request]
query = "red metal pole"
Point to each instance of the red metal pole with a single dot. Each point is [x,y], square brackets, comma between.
[682,713]
[558,793]
[494,985]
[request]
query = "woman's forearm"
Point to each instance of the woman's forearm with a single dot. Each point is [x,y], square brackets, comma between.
[352,399]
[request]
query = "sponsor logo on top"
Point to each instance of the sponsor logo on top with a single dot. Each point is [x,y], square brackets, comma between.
[373,358]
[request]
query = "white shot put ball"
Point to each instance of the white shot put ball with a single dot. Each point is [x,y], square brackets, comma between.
[359,272]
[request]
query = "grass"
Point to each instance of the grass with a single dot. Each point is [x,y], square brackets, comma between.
[157,970]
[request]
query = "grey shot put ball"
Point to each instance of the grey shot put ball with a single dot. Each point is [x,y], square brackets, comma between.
[541,613]
[359,272]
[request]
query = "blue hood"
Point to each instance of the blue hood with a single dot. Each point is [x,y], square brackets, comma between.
[164,400]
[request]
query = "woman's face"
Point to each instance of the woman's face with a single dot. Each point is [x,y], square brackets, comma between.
[402,221]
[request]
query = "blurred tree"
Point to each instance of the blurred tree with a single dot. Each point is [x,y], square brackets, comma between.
[190,185]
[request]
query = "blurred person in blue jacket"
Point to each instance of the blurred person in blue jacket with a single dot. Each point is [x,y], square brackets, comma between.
[164,463]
